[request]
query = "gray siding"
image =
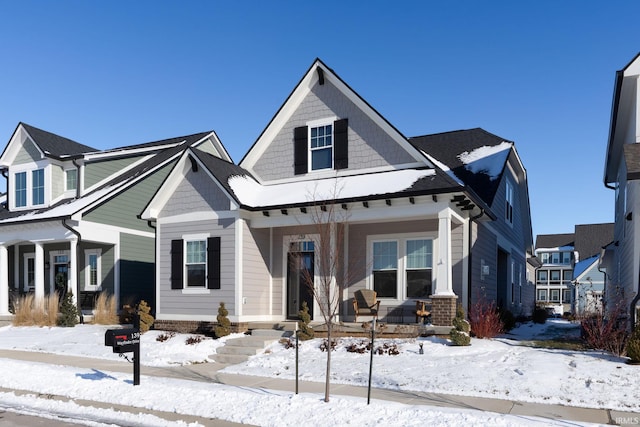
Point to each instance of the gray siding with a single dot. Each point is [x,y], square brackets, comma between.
[208,147]
[173,301]
[484,247]
[457,253]
[196,193]
[28,153]
[369,145]
[97,171]
[137,276]
[57,181]
[123,210]
[255,271]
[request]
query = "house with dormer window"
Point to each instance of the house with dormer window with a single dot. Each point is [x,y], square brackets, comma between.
[440,218]
[70,219]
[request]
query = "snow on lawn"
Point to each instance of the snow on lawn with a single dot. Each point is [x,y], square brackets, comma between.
[499,368]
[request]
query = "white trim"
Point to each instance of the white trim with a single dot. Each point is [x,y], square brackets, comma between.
[25,257]
[52,267]
[287,239]
[317,124]
[87,269]
[197,216]
[196,290]
[196,237]
[125,152]
[105,233]
[239,285]
[28,169]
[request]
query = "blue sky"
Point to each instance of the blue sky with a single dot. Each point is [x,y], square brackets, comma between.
[539,73]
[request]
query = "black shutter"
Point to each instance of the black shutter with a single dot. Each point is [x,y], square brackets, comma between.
[213,263]
[177,264]
[300,150]
[340,149]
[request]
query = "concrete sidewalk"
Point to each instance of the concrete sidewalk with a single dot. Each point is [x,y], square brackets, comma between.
[209,372]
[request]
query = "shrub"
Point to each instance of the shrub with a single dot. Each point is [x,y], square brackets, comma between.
[193,340]
[459,335]
[484,319]
[146,319]
[165,336]
[633,345]
[68,312]
[223,327]
[105,310]
[305,332]
[540,315]
[508,320]
[608,333]
[29,312]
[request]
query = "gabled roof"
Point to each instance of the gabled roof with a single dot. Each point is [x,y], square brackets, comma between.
[474,156]
[583,266]
[550,241]
[54,145]
[320,72]
[591,238]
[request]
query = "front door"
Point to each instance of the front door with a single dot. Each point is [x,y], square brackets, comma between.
[61,273]
[300,274]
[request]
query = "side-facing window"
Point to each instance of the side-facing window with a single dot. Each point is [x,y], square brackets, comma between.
[93,269]
[195,263]
[509,203]
[21,189]
[71,179]
[321,145]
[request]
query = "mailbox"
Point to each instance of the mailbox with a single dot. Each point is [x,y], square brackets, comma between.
[122,340]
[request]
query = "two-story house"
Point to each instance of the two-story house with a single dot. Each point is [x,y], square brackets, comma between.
[622,174]
[444,217]
[70,219]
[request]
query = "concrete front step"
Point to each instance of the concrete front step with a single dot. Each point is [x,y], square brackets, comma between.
[238,350]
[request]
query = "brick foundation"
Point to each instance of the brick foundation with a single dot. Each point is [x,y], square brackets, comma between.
[443,309]
[195,327]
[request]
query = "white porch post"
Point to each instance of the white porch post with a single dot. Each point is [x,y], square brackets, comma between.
[73,269]
[4,281]
[444,284]
[39,272]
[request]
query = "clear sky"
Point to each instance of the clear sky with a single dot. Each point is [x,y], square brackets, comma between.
[539,73]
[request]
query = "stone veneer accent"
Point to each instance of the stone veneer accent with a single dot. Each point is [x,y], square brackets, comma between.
[443,309]
[195,326]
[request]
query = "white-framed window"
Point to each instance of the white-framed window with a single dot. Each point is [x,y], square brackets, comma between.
[20,199]
[544,257]
[37,186]
[541,295]
[554,295]
[71,179]
[509,203]
[195,263]
[554,277]
[402,268]
[542,277]
[93,269]
[566,296]
[321,146]
[566,258]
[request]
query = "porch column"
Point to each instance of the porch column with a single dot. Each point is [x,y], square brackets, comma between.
[443,283]
[73,269]
[39,272]
[4,281]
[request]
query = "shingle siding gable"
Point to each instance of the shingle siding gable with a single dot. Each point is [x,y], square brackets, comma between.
[368,145]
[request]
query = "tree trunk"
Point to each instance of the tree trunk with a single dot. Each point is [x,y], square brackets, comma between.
[328,373]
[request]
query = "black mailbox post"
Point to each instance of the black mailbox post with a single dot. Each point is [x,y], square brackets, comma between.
[126,341]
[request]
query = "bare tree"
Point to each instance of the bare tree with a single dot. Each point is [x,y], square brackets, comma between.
[329,220]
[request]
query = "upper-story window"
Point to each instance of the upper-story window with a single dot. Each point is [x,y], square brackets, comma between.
[21,189]
[509,203]
[71,179]
[321,145]
[29,188]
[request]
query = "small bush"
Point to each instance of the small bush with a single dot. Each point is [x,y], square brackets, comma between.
[633,345]
[165,336]
[223,327]
[305,332]
[459,335]
[508,320]
[484,319]
[68,312]
[194,340]
[459,338]
[146,319]
[540,315]
[606,333]
[105,310]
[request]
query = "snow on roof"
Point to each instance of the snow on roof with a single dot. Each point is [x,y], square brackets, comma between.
[555,249]
[583,266]
[251,193]
[443,167]
[487,159]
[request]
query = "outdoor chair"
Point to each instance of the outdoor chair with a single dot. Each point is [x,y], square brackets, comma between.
[365,303]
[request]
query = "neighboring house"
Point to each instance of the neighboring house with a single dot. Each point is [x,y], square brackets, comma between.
[622,174]
[70,217]
[444,217]
[570,278]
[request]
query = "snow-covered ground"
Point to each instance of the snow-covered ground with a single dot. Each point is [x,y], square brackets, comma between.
[500,368]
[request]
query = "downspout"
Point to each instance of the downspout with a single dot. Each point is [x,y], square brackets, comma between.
[5,173]
[470,257]
[78,181]
[77,265]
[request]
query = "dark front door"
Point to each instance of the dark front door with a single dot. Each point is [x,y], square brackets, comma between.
[300,275]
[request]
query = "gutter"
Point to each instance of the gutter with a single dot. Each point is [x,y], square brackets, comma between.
[77,265]
[78,181]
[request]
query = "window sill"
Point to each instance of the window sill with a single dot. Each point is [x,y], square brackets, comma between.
[196,291]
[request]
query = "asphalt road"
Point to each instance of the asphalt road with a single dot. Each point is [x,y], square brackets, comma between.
[13,419]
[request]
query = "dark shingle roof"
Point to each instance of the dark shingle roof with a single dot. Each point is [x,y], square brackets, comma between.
[446,148]
[554,240]
[189,139]
[56,145]
[590,238]
[632,160]
[221,169]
